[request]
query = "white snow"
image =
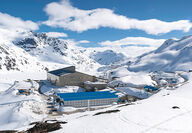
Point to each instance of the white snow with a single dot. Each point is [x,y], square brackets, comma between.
[154,114]
[173,55]
[107,57]
[129,79]
[66,109]
[134,92]
[16,110]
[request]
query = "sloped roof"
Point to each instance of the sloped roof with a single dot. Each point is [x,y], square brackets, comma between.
[63,71]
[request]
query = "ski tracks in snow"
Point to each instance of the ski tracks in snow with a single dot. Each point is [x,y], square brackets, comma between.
[155,126]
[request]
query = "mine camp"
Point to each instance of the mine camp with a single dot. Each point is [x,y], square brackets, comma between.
[93,96]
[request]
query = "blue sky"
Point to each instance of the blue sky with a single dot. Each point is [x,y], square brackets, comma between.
[163,10]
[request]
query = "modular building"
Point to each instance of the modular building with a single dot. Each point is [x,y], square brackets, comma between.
[87,99]
[68,77]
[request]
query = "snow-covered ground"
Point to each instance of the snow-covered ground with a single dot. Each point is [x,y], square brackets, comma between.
[134,92]
[125,78]
[168,111]
[18,111]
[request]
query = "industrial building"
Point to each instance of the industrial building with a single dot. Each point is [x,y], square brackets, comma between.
[86,99]
[68,77]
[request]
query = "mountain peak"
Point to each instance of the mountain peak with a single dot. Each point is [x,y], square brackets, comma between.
[170,56]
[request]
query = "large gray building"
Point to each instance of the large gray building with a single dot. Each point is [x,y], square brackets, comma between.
[68,76]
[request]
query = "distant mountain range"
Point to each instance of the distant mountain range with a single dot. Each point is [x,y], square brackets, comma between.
[40,52]
[172,55]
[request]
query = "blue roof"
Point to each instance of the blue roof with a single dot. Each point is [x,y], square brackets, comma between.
[21,91]
[150,87]
[87,95]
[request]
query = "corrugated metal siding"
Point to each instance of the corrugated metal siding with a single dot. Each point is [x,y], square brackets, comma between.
[93,102]
[81,99]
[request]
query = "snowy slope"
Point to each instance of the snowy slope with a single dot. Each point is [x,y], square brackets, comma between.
[122,77]
[169,111]
[154,114]
[107,57]
[172,55]
[20,110]
[14,58]
[40,52]
[56,52]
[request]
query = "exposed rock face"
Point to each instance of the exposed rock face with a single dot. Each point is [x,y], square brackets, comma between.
[55,50]
[13,58]
[41,52]
[45,127]
[38,41]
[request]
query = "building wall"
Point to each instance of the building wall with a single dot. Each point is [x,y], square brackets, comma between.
[92,102]
[93,86]
[74,79]
[53,78]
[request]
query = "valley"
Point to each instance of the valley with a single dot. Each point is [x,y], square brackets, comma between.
[25,63]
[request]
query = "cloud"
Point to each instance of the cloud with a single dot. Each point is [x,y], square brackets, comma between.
[13,27]
[133,46]
[137,41]
[9,22]
[63,14]
[75,43]
[83,41]
[56,34]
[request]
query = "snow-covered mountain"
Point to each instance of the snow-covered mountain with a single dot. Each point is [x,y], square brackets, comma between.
[107,57]
[170,56]
[42,52]
[56,51]
[14,58]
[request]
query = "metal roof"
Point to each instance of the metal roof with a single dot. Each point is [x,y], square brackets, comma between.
[150,87]
[62,71]
[87,95]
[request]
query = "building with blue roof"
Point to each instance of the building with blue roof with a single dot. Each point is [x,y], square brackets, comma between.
[85,99]
[150,88]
